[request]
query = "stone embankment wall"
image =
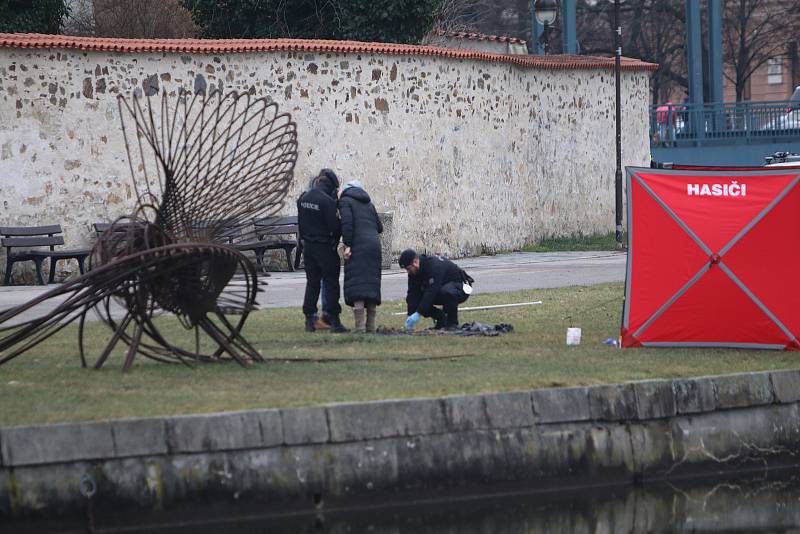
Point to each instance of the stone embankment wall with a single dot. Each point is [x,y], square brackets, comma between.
[310,458]
[471,152]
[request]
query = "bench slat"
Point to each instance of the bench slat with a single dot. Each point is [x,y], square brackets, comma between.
[32,241]
[285,220]
[276,230]
[10,231]
[101,228]
[276,221]
[67,254]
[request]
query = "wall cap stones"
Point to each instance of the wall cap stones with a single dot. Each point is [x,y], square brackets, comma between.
[743,389]
[384,419]
[648,400]
[304,425]
[229,46]
[46,444]
[464,413]
[655,399]
[616,402]
[694,395]
[786,385]
[557,405]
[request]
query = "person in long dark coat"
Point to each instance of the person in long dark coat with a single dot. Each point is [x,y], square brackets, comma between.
[362,253]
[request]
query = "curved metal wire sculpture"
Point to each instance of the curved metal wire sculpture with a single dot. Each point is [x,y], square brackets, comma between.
[202,167]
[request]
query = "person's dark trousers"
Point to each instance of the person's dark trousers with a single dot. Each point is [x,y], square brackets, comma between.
[449,297]
[324,303]
[322,265]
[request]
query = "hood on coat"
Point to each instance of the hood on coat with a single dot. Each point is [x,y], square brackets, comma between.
[356,193]
[354,183]
[326,187]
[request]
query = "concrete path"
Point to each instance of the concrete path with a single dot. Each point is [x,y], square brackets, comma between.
[503,272]
[492,274]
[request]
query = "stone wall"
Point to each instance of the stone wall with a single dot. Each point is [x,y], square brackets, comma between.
[339,454]
[469,155]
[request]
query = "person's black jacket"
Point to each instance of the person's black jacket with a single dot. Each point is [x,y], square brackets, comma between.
[317,216]
[423,287]
[360,229]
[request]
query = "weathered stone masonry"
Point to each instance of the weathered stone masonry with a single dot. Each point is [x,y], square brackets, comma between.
[470,155]
[343,453]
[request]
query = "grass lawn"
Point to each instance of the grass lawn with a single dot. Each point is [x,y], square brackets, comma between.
[48,384]
[578,242]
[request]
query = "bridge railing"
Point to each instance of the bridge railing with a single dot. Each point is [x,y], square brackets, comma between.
[723,122]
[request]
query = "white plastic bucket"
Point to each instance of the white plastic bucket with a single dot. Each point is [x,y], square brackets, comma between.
[573,336]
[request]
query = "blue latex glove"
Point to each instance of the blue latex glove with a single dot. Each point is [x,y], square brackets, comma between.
[412,320]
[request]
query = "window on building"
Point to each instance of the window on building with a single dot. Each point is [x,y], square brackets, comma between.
[775,70]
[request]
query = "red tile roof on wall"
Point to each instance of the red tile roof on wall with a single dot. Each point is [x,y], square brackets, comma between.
[481,37]
[233,46]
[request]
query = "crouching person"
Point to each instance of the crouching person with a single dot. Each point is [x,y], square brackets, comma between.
[434,280]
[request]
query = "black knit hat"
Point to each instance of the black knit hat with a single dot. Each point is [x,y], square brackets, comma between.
[406,257]
[330,175]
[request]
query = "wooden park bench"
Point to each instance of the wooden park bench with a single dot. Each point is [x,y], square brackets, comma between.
[271,233]
[275,231]
[26,243]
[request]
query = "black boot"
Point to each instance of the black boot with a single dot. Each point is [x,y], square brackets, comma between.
[451,321]
[440,317]
[336,325]
[310,323]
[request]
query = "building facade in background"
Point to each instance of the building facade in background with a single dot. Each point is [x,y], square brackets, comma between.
[774,81]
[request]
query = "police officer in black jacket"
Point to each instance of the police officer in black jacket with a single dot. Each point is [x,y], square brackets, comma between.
[319,229]
[434,280]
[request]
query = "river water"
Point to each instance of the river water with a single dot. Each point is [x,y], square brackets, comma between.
[753,504]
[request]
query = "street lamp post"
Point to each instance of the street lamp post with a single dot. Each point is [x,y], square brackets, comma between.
[618,175]
[546,12]
[546,34]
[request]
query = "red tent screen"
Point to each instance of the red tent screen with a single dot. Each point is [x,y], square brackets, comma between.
[712,258]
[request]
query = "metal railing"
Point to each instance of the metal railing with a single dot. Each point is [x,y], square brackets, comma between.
[726,122]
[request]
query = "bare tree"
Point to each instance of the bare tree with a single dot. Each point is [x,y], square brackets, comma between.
[657,33]
[753,32]
[463,15]
[652,30]
[509,18]
[80,19]
[143,19]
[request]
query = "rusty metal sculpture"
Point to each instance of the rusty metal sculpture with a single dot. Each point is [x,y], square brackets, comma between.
[202,167]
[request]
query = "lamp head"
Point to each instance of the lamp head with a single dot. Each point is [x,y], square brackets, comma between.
[546,11]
